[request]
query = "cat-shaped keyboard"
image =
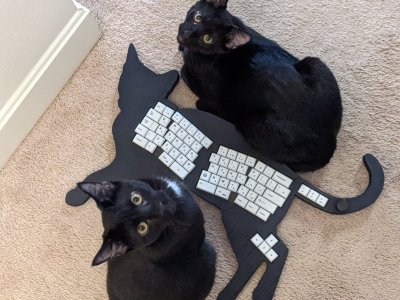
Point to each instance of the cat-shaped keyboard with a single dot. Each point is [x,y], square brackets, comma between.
[180,141]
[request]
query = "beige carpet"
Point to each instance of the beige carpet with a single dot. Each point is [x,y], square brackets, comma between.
[46,247]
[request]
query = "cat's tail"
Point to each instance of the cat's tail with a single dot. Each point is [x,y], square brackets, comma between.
[315,197]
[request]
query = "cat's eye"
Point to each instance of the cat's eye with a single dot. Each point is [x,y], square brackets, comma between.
[207,39]
[143,228]
[136,198]
[197,17]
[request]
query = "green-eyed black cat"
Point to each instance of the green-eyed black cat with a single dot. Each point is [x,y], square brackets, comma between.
[154,241]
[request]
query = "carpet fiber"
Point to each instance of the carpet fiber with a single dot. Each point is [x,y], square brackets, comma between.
[46,247]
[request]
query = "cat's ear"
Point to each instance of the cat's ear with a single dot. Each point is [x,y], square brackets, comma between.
[237,38]
[102,192]
[109,250]
[218,3]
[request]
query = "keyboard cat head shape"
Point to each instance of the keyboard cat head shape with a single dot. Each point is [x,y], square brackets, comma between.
[153,137]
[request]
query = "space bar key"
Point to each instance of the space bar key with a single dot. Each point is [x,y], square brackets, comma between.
[206,186]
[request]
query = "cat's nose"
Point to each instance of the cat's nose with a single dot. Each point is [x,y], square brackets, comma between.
[186,34]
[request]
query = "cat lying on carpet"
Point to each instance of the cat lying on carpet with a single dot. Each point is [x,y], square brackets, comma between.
[288,109]
[154,241]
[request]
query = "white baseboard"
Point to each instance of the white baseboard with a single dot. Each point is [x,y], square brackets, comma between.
[46,79]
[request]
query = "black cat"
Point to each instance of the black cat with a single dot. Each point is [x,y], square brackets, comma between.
[153,240]
[288,109]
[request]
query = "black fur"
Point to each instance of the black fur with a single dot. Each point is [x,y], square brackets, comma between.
[288,109]
[172,261]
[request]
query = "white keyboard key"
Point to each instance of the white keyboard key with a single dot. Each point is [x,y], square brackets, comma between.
[206,186]
[150,135]
[192,129]
[271,255]
[241,201]
[158,140]
[252,208]
[222,171]
[232,154]
[170,136]
[192,155]
[141,130]
[262,179]
[181,159]
[263,214]
[213,168]
[259,189]
[223,183]
[179,170]
[223,151]
[174,128]
[232,175]
[160,107]
[271,184]
[250,161]
[257,240]
[242,169]
[241,158]
[263,247]
[233,186]
[267,205]
[166,159]
[243,191]
[214,179]
[205,175]
[184,149]
[181,133]
[196,147]
[275,198]
[189,166]
[177,117]
[251,184]
[184,123]
[252,196]
[140,141]
[282,191]
[168,112]
[161,131]
[269,171]
[164,121]
[254,174]
[206,142]
[282,179]
[312,195]
[167,147]
[304,190]
[174,153]
[223,193]
[154,115]
[177,142]
[189,140]
[151,147]
[224,162]
[322,200]
[233,165]
[271,240]
[241,179]
[214,158]
[260,167]
[199,136]
[150,124]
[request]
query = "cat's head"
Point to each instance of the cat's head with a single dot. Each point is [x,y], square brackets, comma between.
[210,29]
[136,213]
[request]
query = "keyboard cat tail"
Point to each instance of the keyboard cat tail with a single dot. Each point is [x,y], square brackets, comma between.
[313,195]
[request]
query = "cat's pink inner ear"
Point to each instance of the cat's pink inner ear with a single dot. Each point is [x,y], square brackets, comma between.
[108,251]
[237,38]
[218,3]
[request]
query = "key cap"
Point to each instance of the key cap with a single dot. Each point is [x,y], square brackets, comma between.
[312,195]
[241,201]
[184,123]
[282,179]
[223,183]
[222,171]
[254,174]
[233,186]
[181,159]
[168,112]
[177,142]
[243,191]
[241,158]
[271,255]
[224,162]
[166,159]
[184,149]
[231,154]
[160,107]
[241,179]
[304,190]
[191,155]
[174,153]
[177,117]
[167,147]
[263,247]
[161,131]
[271,240]
[174,128]
[260,167]
[242,169]
[256,240]
[233,165]
[259,189]
[322,200]
[196,147]
[179,170]
[206,142]
[206,186]
[269,172]
[150,135]
[271,184]
[213,168]
[189,166]
[223,151]
[263,214]
[205,176]
[252,208]
[181,133]
[170,136]
[140,129]
[265,204]
[275,198]
[252,196]
[262,179]
[191,129]
[214,179]
[154,115]
[199,136]
[140,141]
[150,124]
[214,158]
[282,191]
[251,184]
[164,121]
[250,161]
[232,175]
[189,140]
[223,193]
[151,147]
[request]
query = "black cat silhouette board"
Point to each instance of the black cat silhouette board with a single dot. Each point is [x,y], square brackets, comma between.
[154,137]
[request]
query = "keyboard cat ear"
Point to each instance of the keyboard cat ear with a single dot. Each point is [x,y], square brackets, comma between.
[102,192]
[109,250]
[218,3]
[237,38]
